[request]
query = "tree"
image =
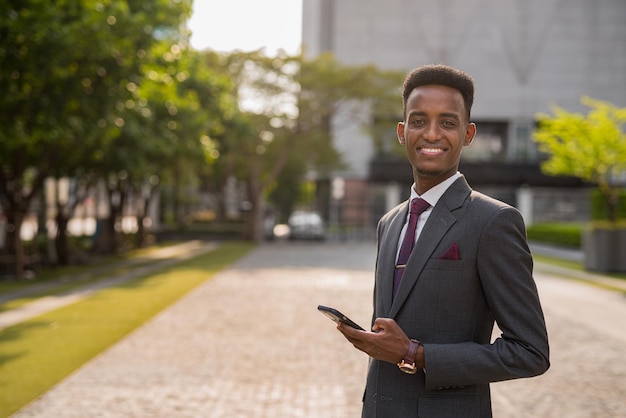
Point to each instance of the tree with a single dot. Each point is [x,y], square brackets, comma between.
[591,147]
[295,100]
[66,72]
[41,104]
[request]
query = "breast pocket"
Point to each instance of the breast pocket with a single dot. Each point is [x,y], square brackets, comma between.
[456,295]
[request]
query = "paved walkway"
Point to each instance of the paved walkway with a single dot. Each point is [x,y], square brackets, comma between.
[250,343]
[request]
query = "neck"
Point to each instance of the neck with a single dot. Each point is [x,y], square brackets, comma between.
[425,183]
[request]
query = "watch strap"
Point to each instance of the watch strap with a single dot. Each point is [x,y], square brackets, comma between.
[407,364]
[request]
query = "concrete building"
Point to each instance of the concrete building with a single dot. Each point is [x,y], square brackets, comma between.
[524,55]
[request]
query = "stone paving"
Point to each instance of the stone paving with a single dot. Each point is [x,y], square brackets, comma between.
[250,343]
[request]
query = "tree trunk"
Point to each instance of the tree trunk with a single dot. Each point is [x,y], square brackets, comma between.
[140,239]
[15,203]
[106,235]
[613,203]
[15,246]
[60,240]
[65,210]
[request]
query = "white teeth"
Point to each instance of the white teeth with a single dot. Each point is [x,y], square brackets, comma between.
[431,150]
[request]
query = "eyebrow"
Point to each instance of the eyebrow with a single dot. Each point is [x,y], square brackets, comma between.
[441,115]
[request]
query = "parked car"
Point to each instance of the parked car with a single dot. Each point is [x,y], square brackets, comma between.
[306,225]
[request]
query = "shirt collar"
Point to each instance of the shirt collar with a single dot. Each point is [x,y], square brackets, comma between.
[433,194]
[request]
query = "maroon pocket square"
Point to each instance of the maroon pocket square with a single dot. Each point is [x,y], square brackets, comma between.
[451,253]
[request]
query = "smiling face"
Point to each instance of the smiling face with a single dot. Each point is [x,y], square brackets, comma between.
[434,131]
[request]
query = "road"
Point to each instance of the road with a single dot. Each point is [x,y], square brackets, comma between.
[250,343]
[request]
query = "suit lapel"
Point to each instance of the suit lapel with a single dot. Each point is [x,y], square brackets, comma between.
[389,256]
[439,222]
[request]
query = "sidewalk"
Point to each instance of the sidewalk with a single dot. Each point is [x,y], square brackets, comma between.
[250,343]
[139,266]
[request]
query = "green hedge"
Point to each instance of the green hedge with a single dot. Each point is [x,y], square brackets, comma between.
[565,234]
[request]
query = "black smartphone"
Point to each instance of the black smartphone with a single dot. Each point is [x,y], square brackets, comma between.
[337,316]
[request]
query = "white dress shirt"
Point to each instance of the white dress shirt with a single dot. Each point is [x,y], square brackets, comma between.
[432,196]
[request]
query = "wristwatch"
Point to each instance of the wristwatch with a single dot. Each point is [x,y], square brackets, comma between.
[407,365]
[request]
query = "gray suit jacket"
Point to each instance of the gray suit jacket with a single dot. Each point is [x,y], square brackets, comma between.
[450,305]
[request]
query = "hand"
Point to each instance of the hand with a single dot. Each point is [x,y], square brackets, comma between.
[386,342]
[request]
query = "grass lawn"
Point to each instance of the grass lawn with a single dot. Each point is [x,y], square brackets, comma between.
[38,353]
[101,267]
[578,266]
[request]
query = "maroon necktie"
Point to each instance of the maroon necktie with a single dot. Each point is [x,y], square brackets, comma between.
[418,206]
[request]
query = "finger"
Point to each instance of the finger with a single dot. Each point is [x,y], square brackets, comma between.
[380,325]
[346,330]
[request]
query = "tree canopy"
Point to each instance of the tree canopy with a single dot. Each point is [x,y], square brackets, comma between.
[591,147]
[110,93]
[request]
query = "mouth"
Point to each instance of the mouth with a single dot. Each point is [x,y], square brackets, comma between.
[431,151]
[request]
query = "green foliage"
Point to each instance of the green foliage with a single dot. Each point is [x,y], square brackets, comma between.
[591,147]
[67,69]
[285,135]
[284,194]
[109,90]
[181,106]
[599,209]
[69,72]
[565,234]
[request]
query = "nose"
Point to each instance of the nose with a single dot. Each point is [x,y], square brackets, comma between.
[432,132]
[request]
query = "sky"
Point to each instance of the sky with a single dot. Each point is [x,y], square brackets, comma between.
[247,25]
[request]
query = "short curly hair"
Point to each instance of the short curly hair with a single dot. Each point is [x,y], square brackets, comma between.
[441,75]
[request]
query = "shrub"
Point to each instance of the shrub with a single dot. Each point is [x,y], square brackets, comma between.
[565,234]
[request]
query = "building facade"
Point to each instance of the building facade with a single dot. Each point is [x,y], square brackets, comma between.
[525,56]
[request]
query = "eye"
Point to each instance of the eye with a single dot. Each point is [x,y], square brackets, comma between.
[448,124]
[418,122]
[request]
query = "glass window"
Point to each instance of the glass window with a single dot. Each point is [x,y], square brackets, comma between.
[490,143]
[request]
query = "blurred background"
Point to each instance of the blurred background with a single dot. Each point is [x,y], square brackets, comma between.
[123,123]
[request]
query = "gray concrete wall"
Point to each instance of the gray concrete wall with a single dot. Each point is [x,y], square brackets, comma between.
[525,55]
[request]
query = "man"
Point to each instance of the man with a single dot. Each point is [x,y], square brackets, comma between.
[430,345]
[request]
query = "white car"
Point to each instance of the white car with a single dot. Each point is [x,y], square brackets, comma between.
[306,225]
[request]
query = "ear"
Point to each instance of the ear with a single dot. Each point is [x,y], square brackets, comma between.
[470,133]
[400,131]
